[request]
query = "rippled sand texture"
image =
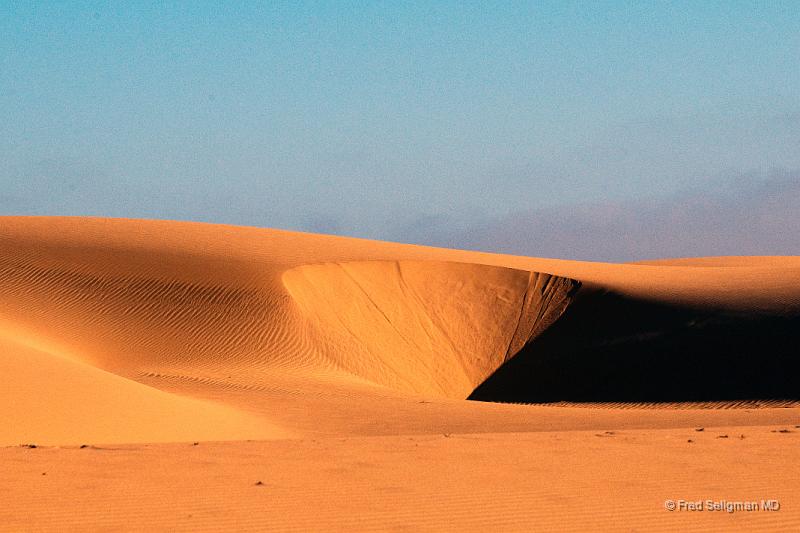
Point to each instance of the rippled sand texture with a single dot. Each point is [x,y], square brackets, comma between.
[337,372]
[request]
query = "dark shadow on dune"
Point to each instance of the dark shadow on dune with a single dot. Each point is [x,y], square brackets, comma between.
[607,348]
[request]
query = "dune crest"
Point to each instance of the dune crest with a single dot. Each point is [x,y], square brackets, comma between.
[270,324]
[350,363]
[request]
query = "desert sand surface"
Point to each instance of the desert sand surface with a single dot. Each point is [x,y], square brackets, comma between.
[167,375]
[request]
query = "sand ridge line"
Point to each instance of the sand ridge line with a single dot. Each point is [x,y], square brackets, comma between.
[179,306]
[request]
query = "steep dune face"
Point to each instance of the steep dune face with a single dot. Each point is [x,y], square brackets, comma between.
[106,312]
[433,328]
[344,357]
[430,327]
[259,318]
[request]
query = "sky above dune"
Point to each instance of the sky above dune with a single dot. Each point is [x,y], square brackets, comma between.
[596,130]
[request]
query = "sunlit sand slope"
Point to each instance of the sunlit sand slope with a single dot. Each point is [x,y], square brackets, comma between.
[47,398]
[349,362]
[253,319]
[139,306]
[438,329]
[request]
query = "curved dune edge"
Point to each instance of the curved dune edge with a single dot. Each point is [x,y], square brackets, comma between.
[106,315]
[274,323]
[431,328]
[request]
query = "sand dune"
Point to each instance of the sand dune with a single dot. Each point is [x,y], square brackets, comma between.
[122,331]
[47,398]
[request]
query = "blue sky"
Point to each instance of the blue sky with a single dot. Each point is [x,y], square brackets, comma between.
[419,122]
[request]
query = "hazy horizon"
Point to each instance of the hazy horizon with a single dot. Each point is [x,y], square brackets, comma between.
[610,131]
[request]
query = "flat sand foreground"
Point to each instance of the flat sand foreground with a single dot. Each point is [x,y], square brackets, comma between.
[545,481]
[325,381]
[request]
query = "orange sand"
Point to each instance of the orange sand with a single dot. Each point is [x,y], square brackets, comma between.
[335,371]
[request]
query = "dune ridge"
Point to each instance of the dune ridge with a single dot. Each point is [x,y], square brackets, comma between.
[155,315]
[250,318]
[451,324]
[335,370]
